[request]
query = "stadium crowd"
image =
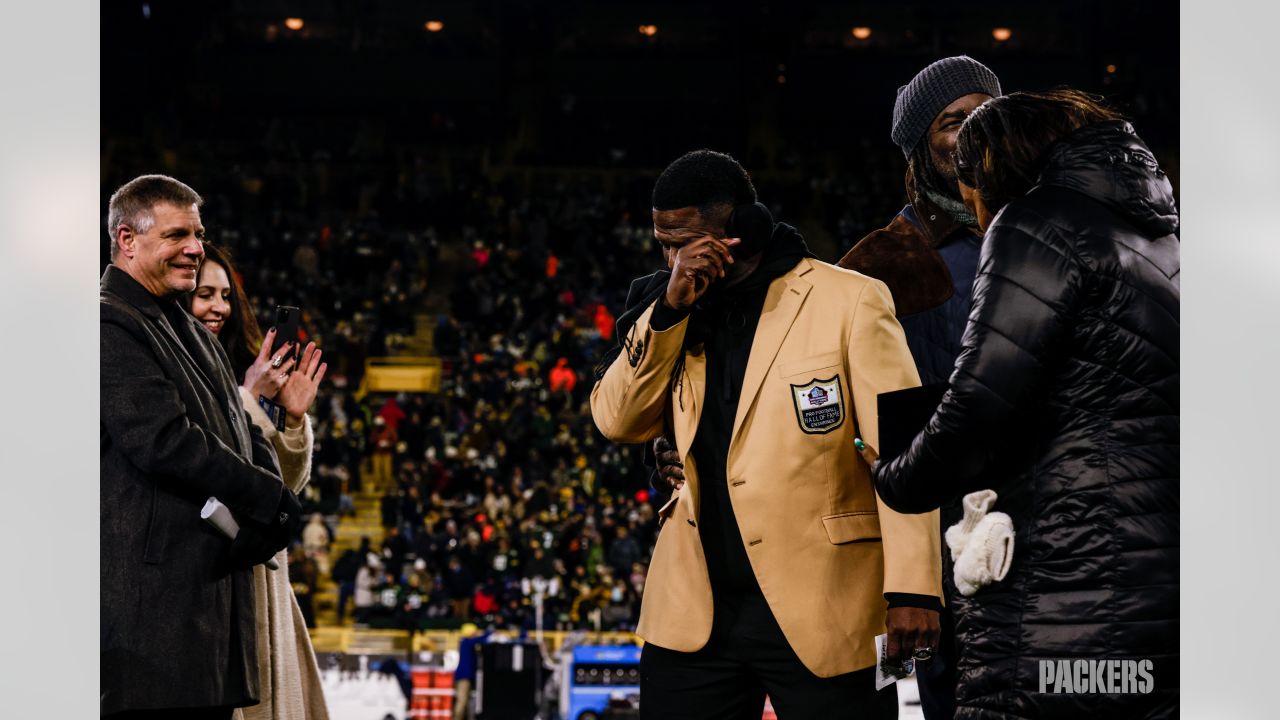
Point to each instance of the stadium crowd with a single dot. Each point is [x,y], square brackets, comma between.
[499,487]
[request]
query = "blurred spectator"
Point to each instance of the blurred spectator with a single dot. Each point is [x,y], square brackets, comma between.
[620,608]
[459,583]
[485,601]
[638,576]
[385,611]
[539,565]
[389,507]
[366,579]
[562,377]
[604,322]
[315,536]
[447,338]
[394,549]
[392,414]
[624,553]
[413,508]
[345,571]
[383,439]
[304,577]
[414,600]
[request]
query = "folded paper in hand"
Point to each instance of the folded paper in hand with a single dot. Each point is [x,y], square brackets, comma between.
[217,515]
[887,671]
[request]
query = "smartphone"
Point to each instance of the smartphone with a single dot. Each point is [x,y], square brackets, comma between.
[287,318]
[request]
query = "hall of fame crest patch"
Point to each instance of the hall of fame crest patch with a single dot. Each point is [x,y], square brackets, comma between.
[819,405]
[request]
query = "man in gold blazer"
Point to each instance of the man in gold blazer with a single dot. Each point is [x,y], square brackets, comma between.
[776,564]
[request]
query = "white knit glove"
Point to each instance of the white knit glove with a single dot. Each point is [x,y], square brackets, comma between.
[981,544]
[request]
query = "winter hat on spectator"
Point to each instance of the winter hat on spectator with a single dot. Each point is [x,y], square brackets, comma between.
[931,90]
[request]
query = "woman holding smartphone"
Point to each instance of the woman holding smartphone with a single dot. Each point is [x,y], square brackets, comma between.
[289,678]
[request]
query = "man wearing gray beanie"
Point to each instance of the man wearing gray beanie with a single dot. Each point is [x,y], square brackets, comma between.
[928,256]
[932,90]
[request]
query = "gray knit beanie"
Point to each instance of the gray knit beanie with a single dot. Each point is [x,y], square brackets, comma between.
[931,90]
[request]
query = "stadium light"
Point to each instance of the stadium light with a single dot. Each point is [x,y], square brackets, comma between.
[1111,69]
[434,26]
[862,33]
[648,30]
[293,23]
[1001,34]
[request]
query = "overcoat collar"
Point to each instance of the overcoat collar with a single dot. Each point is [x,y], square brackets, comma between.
[122,283]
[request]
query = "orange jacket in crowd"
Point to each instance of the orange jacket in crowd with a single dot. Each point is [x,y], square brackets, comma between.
[563,377]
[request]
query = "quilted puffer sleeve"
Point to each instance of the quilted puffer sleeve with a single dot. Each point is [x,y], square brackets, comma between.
[1027,286]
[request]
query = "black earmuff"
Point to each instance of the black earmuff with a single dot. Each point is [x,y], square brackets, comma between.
[754,225]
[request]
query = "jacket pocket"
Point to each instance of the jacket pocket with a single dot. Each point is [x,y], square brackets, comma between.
[811,363]
[157,531]
[850,527]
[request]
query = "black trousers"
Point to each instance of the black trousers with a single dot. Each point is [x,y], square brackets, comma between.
[746,658]
[936,679]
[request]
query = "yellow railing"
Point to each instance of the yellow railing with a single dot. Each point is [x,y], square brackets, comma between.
[349,639]
[400,374]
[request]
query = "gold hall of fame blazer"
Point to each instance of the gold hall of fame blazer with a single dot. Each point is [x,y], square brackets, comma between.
[822,545]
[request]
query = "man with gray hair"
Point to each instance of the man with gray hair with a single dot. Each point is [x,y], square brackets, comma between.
[928,256]
[176,601]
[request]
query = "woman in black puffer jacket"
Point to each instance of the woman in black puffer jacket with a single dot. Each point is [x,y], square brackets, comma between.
[1064,401]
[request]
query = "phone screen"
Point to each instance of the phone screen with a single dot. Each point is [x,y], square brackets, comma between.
[287,318]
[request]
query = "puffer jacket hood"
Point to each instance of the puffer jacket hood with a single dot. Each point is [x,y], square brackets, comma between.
[1109,163]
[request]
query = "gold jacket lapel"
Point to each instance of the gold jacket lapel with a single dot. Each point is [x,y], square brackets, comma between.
[688,412]
[781,305]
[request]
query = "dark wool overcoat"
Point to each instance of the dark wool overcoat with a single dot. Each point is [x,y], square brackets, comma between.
[177,627]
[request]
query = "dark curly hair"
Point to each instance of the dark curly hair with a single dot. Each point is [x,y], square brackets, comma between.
[703,179]
[1002,146]
[241,336]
